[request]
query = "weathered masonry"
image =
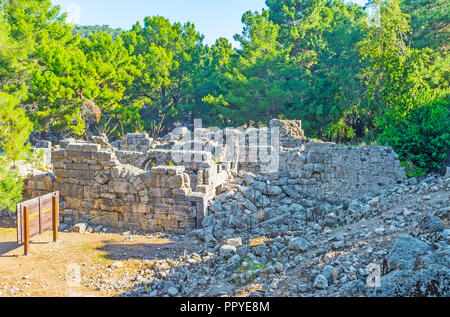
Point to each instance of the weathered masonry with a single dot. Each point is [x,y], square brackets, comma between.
[97,188]
[167,184]
[335,172]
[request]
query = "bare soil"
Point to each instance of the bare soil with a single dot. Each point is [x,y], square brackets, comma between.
[54,269]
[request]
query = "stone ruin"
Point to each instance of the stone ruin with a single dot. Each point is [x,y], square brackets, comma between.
[168,184]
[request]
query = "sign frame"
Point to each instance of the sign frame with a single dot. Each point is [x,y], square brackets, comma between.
[37,216]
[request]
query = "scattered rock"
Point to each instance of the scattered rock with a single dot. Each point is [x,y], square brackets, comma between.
[227,250]
[321,282]
[172,291]
[235,242]
[299,244]
[431,224]
[80,227]
[116,265]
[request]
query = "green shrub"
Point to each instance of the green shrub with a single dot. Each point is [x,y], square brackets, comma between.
[10,186]
[422,138]
[412,170]
[15,128]
[14,131]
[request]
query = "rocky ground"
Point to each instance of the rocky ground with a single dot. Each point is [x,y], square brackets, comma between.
[264,238]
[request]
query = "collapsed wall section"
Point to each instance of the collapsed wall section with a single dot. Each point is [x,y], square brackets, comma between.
[205,174]
[319,169]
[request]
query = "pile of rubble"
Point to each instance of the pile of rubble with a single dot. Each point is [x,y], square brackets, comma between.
[395,244]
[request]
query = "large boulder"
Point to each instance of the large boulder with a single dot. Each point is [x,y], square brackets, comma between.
[418,269]
[321,282]
[431,224]
[406,252]
[431,281]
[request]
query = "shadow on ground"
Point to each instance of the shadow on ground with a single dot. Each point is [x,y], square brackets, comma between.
[8,246]
[153,250]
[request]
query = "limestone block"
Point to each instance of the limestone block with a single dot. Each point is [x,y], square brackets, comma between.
[186,181]
[186,225]
[117,171]
[319,167]
[141,208]
[118,203]
[75,166]
[78,154]
[121,187]
[128,198]
[73,203]
[308,167]
[92,191]
[59,154]
[109,218]
[133,218]
[108,195]
[87,204]
[197,165]
[136,181]
[168,170]
[95,167]
[86,175]
[199,179]
[83,147]
[148,179]
[96,217]
[101,178]
[125,207]
[60,172]
[109,163]
[69,190]
[162,209]
[185,211]
[170,181]
[44,182]
[103,155]
[162,200]
[160,192]
[58,164]
[320,148]
[104,204]
[314,158]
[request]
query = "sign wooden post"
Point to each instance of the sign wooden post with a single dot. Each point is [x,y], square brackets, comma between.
[55,217]
[37,216]
[26,227]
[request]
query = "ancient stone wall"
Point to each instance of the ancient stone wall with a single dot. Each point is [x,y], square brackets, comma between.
[320,169]
[95,187]
[205,174]
[328,170]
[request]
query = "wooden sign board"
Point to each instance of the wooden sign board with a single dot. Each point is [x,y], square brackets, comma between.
[42,217]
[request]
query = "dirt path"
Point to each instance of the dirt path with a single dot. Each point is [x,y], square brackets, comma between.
[68,267]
